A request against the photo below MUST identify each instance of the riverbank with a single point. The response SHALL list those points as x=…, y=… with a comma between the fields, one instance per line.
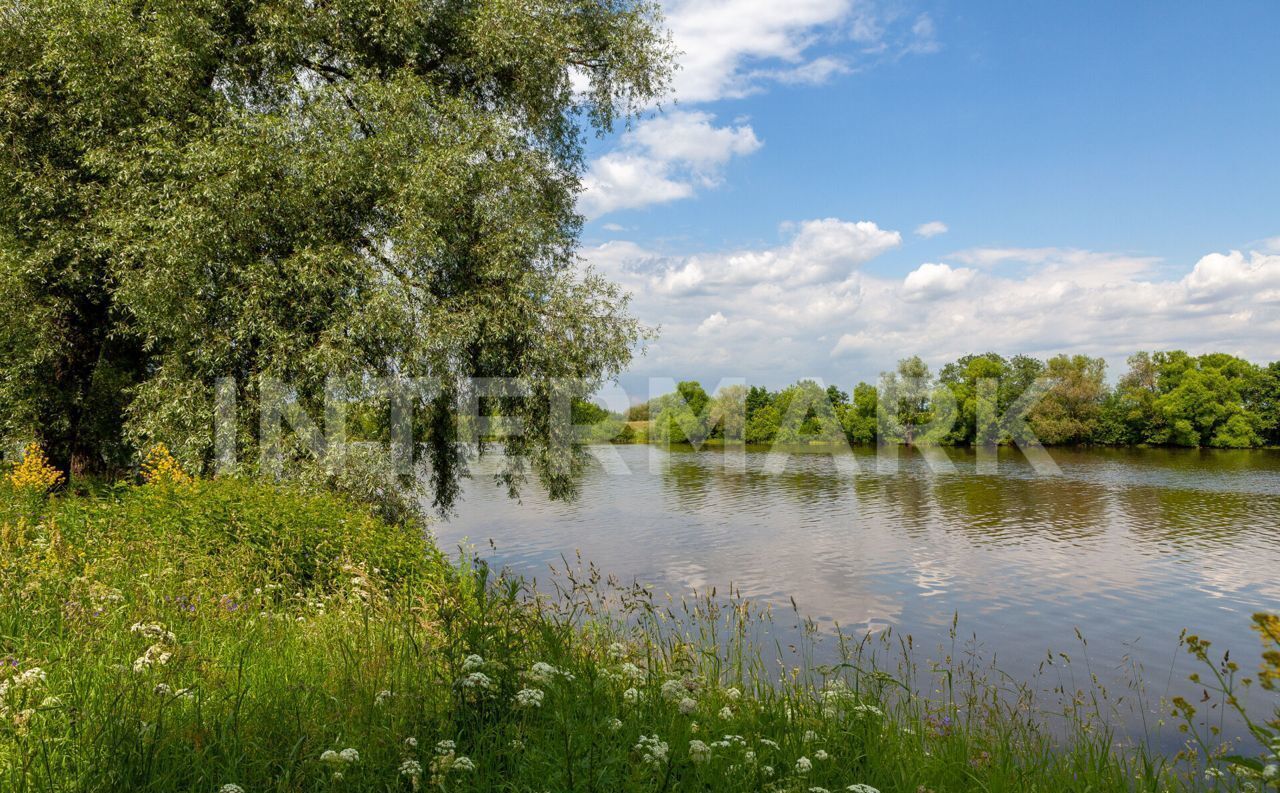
x=225, y=635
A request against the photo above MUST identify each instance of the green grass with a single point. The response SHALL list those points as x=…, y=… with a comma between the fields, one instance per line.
x=195, y=636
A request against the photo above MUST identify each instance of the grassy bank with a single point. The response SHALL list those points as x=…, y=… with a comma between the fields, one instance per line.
x=226, y=636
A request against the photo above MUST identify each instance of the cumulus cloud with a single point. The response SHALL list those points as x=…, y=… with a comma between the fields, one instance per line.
x=930, y=281
x=727, y=45
x=931, y=229
x=664, y=159
x=818, y=251
x=807, y=306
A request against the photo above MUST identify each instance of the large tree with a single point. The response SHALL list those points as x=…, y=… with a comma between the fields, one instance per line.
x=194, y=189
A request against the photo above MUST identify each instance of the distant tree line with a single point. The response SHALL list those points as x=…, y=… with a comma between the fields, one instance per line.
x=1164, y=399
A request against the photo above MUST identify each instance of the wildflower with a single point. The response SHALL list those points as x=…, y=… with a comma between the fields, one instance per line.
x=688, y=706
x=529, y=698
x=631, y=696
x=411, y=742
x=463, y=763
x=153, y=630
x=821, y=754
x=156, y=655
x=345, y=757
x=477, y=681
x=445, y=747
x=1271, y=771
x=160, y=468
x=810, y=735
x=749, y=757
x=34, y=473
x=230, y=788
x=652, y=751
x=699, y=752
x=732, y=694
x=543, y=673
x=766, y=770
x=861, y=788
x=804, y=765
x=818, y=790
x=726, y=713
x=771, y=744
x=631, y=671
x=617, y=650
x=163, y=690
x=411, y=769
x=672, y=690
x=382, y=697
x=615, y=725
x=471, y=663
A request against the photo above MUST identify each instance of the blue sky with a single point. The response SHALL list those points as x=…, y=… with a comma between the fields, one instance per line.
x=1107, y=176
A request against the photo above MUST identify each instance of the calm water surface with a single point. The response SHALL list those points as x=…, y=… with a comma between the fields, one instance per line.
x=1128, y=546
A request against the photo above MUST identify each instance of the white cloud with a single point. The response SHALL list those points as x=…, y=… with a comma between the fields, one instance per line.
x=819, y=251
x=931, y=229
x=930, y=281
x=663, y=159
x=712, y=323
x=1222, y=275
x=807, y=307
x=733, y=48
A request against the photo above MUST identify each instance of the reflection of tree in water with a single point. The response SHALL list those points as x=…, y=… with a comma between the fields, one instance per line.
x=906, y=498
x=687, y=478
x=1004, y=510
x=1186, y=518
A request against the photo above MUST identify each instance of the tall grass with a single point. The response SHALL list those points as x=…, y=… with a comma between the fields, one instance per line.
x=225, y=635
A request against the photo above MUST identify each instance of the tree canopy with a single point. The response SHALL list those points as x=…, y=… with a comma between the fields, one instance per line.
x=1166, y=399
x=298, y=188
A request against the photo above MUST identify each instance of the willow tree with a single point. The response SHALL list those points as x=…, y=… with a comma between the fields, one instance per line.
x=197, y=189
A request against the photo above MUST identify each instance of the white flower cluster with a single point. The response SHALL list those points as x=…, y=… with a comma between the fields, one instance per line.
x=165, y=690
x=16, y=690
x=544, y=674
x=154, y=631
x=699, y=752
x=411, y=769
x=652, y=750
x=448, y=760
x=861, y=788
x=230, y=787
x=161, y=649
x=529, y=698
x=673, y=690
x=345, y=757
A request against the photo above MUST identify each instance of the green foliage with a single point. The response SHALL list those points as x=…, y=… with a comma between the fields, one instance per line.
x=1169, y=398
x=294, y=189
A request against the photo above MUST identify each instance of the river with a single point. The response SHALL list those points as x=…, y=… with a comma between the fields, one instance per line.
x=1128, y=546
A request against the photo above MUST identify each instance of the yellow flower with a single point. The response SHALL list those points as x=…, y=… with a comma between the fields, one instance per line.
x=35, y=473
x=161, y=469
x=1268, y=628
